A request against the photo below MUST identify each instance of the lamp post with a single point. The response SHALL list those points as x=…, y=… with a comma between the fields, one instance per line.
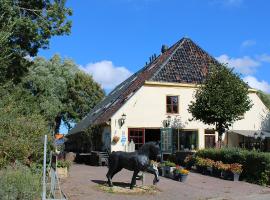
x=122, y=119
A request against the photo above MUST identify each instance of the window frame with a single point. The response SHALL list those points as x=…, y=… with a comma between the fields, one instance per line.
x=142, y=137
x=172, y=105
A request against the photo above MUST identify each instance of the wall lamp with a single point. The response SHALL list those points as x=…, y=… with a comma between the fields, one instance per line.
x=122, y=119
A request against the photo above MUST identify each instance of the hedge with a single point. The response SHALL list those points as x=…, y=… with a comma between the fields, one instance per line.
x=256, y=165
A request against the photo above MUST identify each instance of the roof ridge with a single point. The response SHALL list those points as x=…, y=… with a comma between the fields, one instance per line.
x=168, y=59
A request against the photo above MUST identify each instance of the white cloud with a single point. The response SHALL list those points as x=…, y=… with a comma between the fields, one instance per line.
x=248, y=43
x=105, y=73
x=264, y=58
x=260, y=85
x=244, y=65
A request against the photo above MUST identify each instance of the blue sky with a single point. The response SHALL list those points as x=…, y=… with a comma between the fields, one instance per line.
x=111, y=39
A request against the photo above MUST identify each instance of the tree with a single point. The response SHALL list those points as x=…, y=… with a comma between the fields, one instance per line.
x=265, y=98
x=221, y=100
x=27, y=26
x=63, y=92
x=21, y=127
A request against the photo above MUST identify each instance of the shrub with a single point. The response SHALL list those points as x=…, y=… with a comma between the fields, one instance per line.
x=63, y=163
x=256, y=165
x=169, y=164
x=19, y=183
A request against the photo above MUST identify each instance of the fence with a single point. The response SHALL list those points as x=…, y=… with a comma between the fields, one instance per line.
x=51, y=189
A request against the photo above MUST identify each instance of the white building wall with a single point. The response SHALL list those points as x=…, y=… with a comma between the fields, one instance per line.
x=147, y=109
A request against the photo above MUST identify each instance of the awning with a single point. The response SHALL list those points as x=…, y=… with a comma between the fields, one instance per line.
x=250, y=133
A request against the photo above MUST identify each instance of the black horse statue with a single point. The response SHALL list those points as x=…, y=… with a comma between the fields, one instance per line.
x=134, y=161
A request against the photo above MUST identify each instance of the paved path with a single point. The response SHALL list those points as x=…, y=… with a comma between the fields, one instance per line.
x=83, y=180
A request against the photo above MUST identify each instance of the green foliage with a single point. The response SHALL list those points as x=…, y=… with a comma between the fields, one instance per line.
x=256, y=165
x=62, y=91
x=21, y=128
x=169, y=164
x=27, y=26
x=63, y=163
x=265, y=98
x=222, y=99
x=19, y=183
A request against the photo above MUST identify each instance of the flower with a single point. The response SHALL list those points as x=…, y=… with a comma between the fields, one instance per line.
x=236, y=168
x=218, y=165
x=181, y=170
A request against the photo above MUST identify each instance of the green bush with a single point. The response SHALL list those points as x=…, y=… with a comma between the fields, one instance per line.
x=19, y=184
x=256, y=165
x=63, y=163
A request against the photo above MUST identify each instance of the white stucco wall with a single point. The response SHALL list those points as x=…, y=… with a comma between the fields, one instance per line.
x=147, y=109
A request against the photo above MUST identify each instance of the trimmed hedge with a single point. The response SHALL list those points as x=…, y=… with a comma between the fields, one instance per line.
x=256, y=165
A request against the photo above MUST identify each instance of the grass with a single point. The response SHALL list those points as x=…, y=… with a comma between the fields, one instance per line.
x=124, y=189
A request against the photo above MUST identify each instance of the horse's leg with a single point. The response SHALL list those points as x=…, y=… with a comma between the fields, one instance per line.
x=109, y=177
x=133, y=181
x=116, y=171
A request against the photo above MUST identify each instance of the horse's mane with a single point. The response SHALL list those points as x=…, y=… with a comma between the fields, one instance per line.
x=146, y=147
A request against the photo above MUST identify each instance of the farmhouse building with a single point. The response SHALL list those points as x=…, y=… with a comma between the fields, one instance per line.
x=152, y=105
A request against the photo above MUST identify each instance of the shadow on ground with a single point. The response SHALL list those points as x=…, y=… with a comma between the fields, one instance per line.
x=118, y=184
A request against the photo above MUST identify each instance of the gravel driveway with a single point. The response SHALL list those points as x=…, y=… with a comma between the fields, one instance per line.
x=83, y=181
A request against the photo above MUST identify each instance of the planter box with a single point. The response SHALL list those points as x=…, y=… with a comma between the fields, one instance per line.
x=62, y=172
x=168, y=171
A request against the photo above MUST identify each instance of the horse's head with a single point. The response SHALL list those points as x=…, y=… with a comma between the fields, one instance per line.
x=152, y=149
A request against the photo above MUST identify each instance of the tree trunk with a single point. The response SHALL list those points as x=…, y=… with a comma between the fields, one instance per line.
x=220, y=129
x=57, y=125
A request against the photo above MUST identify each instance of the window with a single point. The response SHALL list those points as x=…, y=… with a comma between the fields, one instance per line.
x=185, y=139
x=209, y=138
x=137, y=135
x=172, y=104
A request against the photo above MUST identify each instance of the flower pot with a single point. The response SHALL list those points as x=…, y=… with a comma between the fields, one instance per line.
x=181, y=177
x=62, y=172
x=209, y=170
x=236, y=177
x=216, y=172
x=168, y=171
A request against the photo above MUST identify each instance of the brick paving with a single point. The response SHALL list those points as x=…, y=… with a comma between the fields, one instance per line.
x=83, y=181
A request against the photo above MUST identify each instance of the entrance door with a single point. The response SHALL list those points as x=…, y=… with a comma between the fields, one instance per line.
x=210, y=141
x=166, y=140
x=137, y=135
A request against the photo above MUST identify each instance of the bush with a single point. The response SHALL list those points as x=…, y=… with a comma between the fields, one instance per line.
x=256, y=165
x=19, y=183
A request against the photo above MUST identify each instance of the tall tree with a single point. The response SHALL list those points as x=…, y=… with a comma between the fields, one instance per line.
x=265, y=98
x=62, y=90
x=221, y=100
x=26, y=26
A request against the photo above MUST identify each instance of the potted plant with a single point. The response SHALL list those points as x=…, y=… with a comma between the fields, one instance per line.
x=217, y=168
x=189, y=161
x=236, y=169
x=225, y=171
x=62, y=168
x=209, y=166
x=168, y=168
x=200, y=164
x=180, y=174
x=115, y=139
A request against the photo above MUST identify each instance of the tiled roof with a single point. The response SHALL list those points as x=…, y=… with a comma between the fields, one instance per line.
x=184, y=62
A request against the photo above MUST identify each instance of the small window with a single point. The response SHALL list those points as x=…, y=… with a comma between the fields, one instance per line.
x=172, y=104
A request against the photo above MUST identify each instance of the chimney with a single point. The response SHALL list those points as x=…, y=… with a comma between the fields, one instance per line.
x=164, y=48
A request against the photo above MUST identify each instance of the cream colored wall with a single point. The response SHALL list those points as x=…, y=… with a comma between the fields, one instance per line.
x=254, y=118
x=147, y=109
